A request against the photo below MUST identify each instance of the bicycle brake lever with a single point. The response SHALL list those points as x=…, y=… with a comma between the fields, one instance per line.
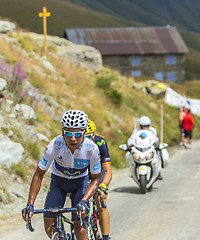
x=29, y=225
x=101, y=202
x=82, y=221
x=84, y=224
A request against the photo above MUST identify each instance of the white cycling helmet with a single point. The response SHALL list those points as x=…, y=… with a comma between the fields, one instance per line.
x=144, y=121
x=74, y=119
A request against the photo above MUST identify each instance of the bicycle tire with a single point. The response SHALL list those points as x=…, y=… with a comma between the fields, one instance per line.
x=73, y=236
x=90, y=233
x=98, y=235
x=55, y=236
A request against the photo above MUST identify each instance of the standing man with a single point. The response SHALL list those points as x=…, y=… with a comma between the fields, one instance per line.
x=106, y=176
x=188, y=126
x=70, y=154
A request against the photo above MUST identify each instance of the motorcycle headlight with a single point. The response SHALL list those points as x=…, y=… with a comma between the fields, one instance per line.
x=136, y=156
x=142, y=159
x=149, y=156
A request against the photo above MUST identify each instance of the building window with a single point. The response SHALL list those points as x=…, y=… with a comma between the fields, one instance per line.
x=171, y=77
x=159, y=76
x=136, y=61
x=136, y=73
x=171, y=60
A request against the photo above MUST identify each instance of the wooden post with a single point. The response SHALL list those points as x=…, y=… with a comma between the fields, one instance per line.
x=161, y=125
x=45, y=14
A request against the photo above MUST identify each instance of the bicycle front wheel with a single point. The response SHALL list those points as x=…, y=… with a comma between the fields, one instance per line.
x=55, y=236
x=90, y=233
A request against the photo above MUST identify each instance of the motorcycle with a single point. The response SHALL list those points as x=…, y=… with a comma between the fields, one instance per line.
x=145, y=159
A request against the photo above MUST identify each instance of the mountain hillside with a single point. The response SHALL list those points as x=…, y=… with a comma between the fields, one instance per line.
x=64, y=14
x=181, y=13
x=36, y=89
x=49, y=84
x=184, y=14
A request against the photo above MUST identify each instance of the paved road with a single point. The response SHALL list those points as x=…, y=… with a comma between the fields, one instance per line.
x=170, y=211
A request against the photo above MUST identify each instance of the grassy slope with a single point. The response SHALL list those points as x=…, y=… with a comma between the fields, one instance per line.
x=95, y=13
x=115, y=122
x=64, y=14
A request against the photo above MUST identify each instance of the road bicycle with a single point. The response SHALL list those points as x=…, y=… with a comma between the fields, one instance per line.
x=94, y=230
x=59, y=228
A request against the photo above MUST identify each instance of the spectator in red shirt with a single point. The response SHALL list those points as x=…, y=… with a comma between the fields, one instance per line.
x=182, y=114
x=188, y=126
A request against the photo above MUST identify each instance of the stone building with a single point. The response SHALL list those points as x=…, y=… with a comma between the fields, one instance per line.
x=156, y=52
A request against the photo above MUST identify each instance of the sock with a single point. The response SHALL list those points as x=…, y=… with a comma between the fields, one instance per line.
x=105, y=237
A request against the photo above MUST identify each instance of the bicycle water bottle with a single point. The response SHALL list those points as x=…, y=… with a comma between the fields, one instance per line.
x=68, y=236
x=93, y=224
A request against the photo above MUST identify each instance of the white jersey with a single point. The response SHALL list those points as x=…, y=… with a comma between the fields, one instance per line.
x=153, y=130
x=68, y=165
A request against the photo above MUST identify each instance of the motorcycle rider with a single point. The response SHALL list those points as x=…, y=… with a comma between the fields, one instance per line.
x=145, y=124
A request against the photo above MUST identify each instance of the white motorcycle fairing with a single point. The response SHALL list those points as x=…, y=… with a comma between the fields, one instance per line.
x=151, y=168
x=142, y=159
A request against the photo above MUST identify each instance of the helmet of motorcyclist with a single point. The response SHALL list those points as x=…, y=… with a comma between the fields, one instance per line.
x=144, y=121
x=74, y=119
x=91, y=127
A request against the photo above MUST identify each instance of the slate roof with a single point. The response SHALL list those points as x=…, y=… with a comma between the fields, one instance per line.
x=130, y=40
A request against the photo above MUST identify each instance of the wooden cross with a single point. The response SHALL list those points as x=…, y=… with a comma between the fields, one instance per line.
x=45, y=14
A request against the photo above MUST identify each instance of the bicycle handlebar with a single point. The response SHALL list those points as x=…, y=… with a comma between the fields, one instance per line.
x=55, y=211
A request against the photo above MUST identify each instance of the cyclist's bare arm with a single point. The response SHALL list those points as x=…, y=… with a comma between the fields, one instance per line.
x=35, y=184
x=92, y=187
x=108, y=174
x=35, y=187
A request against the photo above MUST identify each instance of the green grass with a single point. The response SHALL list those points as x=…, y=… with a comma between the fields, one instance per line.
x=20, y=170
x=64, y=14
x=115, y=122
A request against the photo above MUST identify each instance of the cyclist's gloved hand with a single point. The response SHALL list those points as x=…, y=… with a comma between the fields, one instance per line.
x=27, y=210
x=83, y=206
x=103, y=190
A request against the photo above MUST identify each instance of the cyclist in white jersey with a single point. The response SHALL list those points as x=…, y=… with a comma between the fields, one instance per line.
x=70, y=155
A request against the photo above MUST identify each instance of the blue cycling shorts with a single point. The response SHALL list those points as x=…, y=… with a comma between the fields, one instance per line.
x=59, y=187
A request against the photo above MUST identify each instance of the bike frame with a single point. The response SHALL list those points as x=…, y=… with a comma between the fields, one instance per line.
x=93, y=209
x=60, y=221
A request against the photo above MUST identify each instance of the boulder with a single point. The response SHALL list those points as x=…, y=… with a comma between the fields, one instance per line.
x=86, y=57
x=83, y=56
x=1, y=120
x=3, y=84
x=27, y=111
x=6, y=26
x=138, y=86
x=10, y=152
